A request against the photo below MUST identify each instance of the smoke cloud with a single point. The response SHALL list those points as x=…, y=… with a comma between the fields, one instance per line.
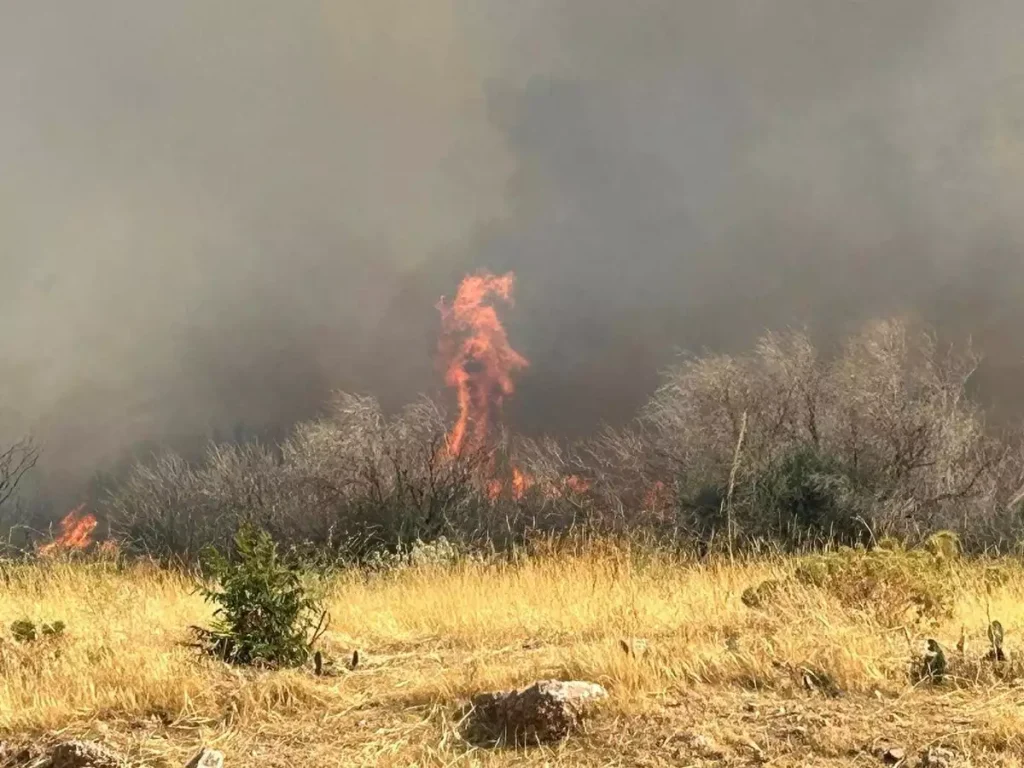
x=212, y=214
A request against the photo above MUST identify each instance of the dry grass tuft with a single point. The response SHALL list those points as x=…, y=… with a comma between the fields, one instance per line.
x=805, y=678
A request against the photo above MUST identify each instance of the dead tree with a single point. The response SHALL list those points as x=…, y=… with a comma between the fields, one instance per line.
x=15, y=462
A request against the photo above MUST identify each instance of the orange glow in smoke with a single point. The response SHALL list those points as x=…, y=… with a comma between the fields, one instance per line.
x=76, y=533
x=479, y=361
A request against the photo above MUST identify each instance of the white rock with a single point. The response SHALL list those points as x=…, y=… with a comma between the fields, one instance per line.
x=207, y=758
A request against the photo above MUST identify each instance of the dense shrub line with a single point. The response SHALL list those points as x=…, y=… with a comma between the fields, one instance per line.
x=881, y=439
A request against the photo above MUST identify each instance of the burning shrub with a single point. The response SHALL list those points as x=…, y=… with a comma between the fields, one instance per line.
x=264, y=613
x=382, y=480
x=346, y=484
x=76, y=529
x=880, y=440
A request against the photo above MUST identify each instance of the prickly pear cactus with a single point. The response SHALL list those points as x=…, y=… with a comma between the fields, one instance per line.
x=934, y=665
x=995, y=637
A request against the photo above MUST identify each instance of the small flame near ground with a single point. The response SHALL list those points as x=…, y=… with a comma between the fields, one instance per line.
x=76, y=533
x=520, y=484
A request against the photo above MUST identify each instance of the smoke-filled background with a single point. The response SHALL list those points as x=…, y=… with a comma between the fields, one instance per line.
x=214, y=213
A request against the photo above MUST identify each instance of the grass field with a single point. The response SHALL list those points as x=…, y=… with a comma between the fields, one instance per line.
x=722, y=683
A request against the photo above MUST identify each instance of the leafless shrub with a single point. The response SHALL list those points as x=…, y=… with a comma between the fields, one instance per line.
x=343, y=483
x=560, y=491
x=885, y=432
x=15, y=462
x=159, y=507
x=365, y=472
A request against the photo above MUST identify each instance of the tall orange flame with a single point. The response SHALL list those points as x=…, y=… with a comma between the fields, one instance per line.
x=479, y=364
x=76, y=532
x=478, y=357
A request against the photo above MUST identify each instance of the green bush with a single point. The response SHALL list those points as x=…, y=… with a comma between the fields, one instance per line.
x=264, y=613
x=704, y=511
x=892, y=583
x=806, y=492
x=933, y=665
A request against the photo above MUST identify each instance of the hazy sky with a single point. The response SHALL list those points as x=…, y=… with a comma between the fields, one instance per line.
x=216, y=211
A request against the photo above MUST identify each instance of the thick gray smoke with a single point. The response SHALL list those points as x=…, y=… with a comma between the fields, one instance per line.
x=212, y=214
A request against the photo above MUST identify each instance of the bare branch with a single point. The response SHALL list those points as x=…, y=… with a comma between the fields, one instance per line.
x=15, y=462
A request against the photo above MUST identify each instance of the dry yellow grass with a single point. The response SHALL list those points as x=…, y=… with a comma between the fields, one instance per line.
x=721, y=684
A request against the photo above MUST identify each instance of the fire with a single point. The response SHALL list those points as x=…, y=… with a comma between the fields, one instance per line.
x=577, y=484
x=571, y=485
x=76, y=532
x=494, y=489
x=655, y=495
x=479, y=360
x=521, y=483
x=479, y=364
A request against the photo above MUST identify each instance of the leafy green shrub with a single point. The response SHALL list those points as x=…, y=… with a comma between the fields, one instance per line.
x=704, y=510
x=890, y=583
x=806, y=492
x=265, y=614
